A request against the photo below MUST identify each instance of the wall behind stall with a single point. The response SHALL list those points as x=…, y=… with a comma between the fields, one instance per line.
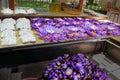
x=113, y=16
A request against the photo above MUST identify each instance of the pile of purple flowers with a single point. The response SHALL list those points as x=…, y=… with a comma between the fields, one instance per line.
x=57, y=29
x=75, y=67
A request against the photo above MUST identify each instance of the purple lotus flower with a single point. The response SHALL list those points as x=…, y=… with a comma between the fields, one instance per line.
x=95, y=22
x=64, y=65
x=58, y=20
x=78, y=19
x=65, y=23
x=76, y=67
x=103, y=26
x=72, y=32
x=69, y=71
x=88, y=26
x=73, y=28
x=59, y=58
x=34, y=19
x=82, y=30
x=114, y=32
x=76, y=78
x=117, y=32
x=93, y=27
x=46, y=32
x=74, y=36
x=48, y=20
x=77, y=23
x=69, y=19
x=36, y=25
x=50, y=33
x=57, y=25
x=79, y=65
x=50, y=29
x=84, y=35
x=50, y=23
x=111, y=28
x=93, y=34
x=81, y=56
x=102, y=33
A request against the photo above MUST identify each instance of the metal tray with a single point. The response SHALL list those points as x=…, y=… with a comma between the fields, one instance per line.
x=40, y=43
x=32, y=63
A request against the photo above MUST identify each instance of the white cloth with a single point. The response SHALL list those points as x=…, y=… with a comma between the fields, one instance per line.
x=27, y=35
x=8, y=37
x=7, y=11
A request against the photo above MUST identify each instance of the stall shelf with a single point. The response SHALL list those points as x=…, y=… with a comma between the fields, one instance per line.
x=27, y=67
x=39, y=42
x=17, y=56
